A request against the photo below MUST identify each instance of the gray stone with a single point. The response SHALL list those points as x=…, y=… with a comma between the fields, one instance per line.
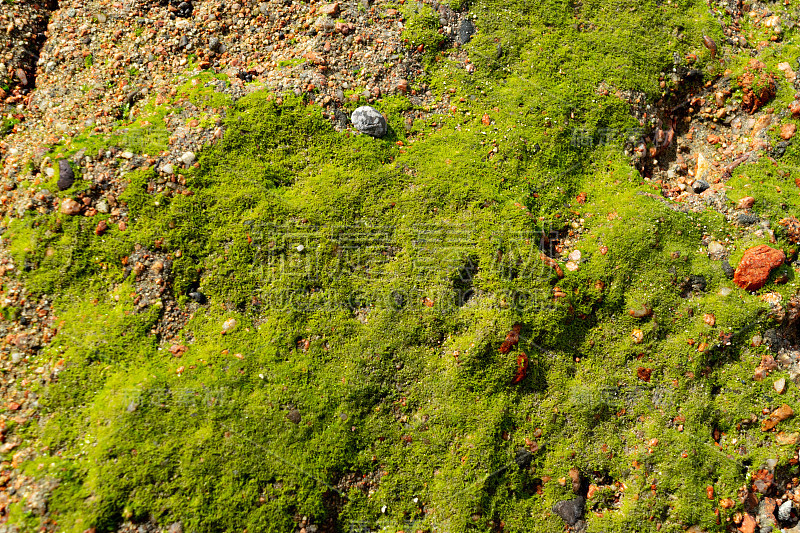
x=746, y=219
x=66, y=176
x=785, y=511
x=465, y=31
x=728, y=269
x=570, y=511
x=368, y=120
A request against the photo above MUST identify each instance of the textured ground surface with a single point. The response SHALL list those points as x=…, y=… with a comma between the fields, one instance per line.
x=536, y=303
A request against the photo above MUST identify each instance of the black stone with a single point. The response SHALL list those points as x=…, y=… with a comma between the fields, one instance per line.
x=700, y=185
x=523, y=458
x=198, y=297
x=698, y=283
x=728, y=269
x=772, y=339
x=570, y=511
x=780, y=149
x=66, y=176
x=185, y=9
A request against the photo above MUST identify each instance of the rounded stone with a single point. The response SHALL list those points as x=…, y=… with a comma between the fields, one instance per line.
x=369, y=120
x=66, y=176
x=188, y=158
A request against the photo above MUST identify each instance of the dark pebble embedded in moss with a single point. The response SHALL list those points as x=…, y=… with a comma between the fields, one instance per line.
x=746, y=219
x=728, y=269
x=523, y=457
x=700, y=185
x=198, y=297
x=465, y=31
x=570, y=511
x=294, y=416
x=66, y=176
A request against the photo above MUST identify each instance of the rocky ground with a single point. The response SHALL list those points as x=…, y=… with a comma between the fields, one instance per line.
x=77, y=67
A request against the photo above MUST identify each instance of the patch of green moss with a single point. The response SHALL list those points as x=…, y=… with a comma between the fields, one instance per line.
x=422, y=28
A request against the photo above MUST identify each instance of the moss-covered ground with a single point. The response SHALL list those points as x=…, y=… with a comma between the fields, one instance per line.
x=373, y=282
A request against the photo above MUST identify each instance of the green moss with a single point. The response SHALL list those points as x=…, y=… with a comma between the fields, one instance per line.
x=373, y=282
x=422, y=28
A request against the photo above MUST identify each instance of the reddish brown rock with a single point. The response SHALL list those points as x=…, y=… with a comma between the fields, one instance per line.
x=748, y=524
x=794, y=108
x=746, y=202
x=644, y=373
x=788, y=131
x=70, y=207
x=758, y=86
x=101, y=228
x=402, y=86
x=754, y=268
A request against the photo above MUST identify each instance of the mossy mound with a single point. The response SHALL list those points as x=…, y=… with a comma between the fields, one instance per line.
x=373, y=282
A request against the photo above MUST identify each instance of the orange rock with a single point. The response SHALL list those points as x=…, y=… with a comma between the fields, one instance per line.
x=575, y=477
x=726, y=503
x=794, y=108
x=748, y=524
x=553, y=264
x=778, y=415
x=644, y=373
x=754, y=268
x=70, y=207
x=746, y=202
x=788, y=131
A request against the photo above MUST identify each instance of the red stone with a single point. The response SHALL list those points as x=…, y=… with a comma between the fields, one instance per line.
x=101, y=228
x=754, y=268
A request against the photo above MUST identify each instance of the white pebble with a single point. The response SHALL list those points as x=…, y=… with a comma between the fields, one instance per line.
x=188, y=158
